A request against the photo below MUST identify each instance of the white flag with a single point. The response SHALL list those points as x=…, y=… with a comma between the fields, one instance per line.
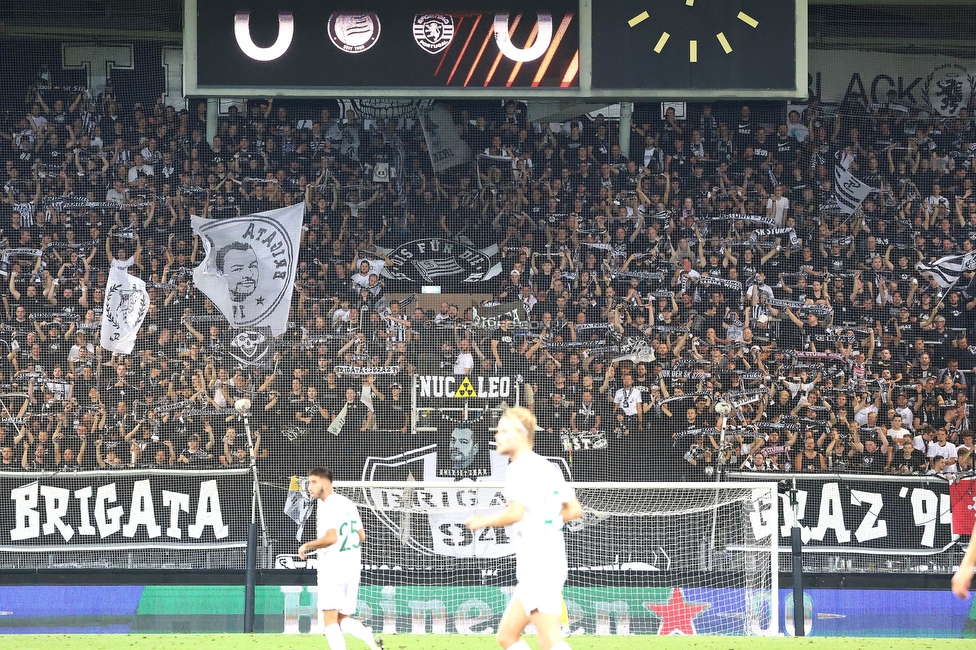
x=339, y=420
x=249, y=266
x=125, y=306
x=849, y=191
x=444, y=143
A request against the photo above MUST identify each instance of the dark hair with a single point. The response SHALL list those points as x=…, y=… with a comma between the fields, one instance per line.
x=321, y=472
x=222, y=253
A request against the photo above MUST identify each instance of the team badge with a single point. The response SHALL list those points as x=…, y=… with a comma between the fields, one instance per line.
x=433, y=32
x=948, y=89
x=354, y=32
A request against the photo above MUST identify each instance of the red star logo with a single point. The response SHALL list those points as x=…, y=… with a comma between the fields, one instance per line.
x=677, y=615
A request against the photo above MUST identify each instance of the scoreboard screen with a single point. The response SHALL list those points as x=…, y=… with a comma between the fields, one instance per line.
x=618, y=49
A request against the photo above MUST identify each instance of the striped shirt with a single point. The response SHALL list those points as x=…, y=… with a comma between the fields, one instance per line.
x=27, y=212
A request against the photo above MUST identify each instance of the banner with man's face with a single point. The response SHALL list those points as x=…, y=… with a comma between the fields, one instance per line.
x=467, y=453
x=249, y=266
x=461, y=454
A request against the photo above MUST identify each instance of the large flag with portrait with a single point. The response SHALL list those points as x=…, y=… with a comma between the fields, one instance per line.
x=124, y=309
x=249, y=266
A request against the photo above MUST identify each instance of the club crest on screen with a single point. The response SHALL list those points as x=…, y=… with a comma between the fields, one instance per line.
x=433, y=32
x=354, y=32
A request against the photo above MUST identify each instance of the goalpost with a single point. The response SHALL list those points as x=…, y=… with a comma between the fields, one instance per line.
x=654, y=558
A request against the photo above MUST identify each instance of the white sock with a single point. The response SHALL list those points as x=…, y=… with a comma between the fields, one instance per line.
x=561, y=646
x=519, y=645
x=333, y=635
x=358, y=630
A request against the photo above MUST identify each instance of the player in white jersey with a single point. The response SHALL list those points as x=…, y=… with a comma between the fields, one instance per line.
x=339, y=544
x=539, y=502
x=964, y=574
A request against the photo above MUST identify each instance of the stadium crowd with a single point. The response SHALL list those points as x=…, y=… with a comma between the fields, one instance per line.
x=713, y=261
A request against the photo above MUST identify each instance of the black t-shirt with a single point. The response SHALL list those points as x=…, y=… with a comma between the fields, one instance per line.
x=507, y=345
x=198, y=457
x=555, y=418
x=957, y=317
x=392, y=414
x=869, y=462
x=914, y=463
x=808, y=464
x=310, y=410
x=355, y=417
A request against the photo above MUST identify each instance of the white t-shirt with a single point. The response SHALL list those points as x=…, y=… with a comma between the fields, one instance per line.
x=123, y=265
x=628, y=399
x=540, y=550
x=75, y=353
x=778, y=208
x=134, y=172
x=341, y=562
x=463, y=364
x=375, y=266
x=898, y=434
x=948, y=451
x=908, y=418
x=219, y=399
x=38, y=123
x=921, y=444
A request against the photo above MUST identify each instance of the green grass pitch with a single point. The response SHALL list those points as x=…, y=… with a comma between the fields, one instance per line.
x=451, y=642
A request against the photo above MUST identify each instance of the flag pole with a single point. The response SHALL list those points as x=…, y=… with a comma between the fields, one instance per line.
x=243, y=407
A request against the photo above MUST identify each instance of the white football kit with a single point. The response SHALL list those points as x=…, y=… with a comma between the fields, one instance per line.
x=540, y=550
x=339, y=565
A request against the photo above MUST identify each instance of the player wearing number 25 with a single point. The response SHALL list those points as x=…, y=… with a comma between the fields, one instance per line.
x=339, y=541
x=539, y=502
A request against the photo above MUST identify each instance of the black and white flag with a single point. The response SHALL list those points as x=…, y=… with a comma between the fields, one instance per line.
x=947, y=270
x=490, y=316
x=125, y=307
x=366, y=370
x=249, y=266
x=849, y=191
x=444, y=143
x=432, y=260
x=298, y=503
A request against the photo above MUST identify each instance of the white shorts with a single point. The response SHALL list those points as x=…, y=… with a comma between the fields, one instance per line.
x=545, y=596
x=341, y=597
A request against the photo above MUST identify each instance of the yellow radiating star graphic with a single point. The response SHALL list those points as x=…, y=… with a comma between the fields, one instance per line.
x=661, y=42
x=638, y=19
x=724, y=42
x=693, y=44
x=747, y=19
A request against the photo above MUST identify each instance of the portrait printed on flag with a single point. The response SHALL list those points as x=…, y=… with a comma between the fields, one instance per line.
x=249, y=267
x=463, y=451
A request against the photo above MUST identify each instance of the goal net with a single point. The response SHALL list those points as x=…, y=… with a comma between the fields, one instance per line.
x=644, y=558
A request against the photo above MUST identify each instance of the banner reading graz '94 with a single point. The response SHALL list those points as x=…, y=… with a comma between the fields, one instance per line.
x=908, y=515
x=123, y=509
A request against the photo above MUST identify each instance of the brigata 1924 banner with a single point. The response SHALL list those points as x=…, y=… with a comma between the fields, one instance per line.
x=123, y=509
x=844, y=513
